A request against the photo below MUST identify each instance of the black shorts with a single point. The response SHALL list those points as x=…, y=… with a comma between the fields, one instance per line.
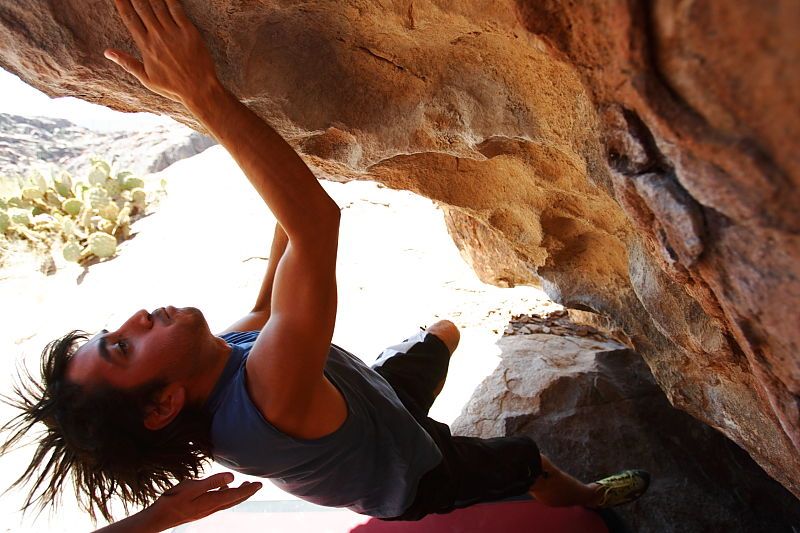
x=472, y=470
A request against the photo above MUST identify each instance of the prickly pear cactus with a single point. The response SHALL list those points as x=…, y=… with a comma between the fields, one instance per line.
x=72, y=252
x=20, y=216
x=110, y=211
x=68, y=226
x=102, y=244
x=32, y=193
x=72, y=206
x=113, y=187
x=133, y=183
x=106, y=226
x=63, y=185
x=79, y=189
x=99, y=173
x=39, y=182
x=16, y=201
x=85, y=217
x=100, y=162
x=124, y=216
x=89, y=218
x=52, y=201
x=98, y=197
x=62, y=190
x=139, y=197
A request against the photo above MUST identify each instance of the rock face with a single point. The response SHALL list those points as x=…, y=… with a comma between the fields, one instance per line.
x=489, y=254
x=640, y=157
x=594, y=408
x=27, y=142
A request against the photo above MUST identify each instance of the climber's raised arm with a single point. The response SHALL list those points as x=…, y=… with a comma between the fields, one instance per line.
x=285, y=367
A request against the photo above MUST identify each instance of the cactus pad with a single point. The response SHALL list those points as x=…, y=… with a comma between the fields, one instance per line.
x=85, y=218
x=16, y=201
x=139, y=197
x=39, y=182
x=68, y=226
x=106, y=226
x=110, y=211
x=32, y=193
x=102, y=244
x=124, y=216
x=72, y=206
x=63, y=185
x=52, y=199
x=113, y=187
x=20, y=216
x=133, y=183
x=72, y=251
x=99, y=173
x=98, y=197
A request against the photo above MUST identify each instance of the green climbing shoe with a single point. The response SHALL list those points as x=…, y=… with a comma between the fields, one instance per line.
x=622, y=488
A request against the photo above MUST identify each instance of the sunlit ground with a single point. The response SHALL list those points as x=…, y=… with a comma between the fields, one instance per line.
x=205, y=246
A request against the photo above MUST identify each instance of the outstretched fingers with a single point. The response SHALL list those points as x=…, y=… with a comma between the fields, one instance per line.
x=228, y=497
x=162, y=13
x=192, y=499
x=217, y=481
x=175, y=62
x=128, y=63
x=178, y=14
x=206, y=496
x=131, y=20
x=145, y=11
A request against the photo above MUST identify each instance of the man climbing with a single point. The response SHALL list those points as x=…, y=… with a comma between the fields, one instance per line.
x=132, y=409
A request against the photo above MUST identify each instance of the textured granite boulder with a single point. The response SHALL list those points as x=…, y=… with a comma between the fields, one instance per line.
x=640, y=157
x=594, y=408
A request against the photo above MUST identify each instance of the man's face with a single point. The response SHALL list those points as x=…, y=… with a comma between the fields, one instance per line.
x=161, y=344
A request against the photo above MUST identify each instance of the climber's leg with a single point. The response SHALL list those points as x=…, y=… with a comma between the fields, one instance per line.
x=557, y=488
x=418, y=366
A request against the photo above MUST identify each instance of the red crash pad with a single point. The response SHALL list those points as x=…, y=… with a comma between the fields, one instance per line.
x=299, y=517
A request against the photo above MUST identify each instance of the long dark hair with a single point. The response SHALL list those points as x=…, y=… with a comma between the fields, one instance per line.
x=95, y=437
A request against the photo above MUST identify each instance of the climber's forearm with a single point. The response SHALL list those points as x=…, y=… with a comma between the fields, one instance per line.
x=298, y=201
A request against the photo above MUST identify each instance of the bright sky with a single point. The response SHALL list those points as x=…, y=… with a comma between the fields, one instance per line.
x=19, y=98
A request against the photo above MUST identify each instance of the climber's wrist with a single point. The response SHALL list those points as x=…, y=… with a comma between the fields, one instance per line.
x=205, y=98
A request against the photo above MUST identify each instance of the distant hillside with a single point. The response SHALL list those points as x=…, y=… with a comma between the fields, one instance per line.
x=27, y=142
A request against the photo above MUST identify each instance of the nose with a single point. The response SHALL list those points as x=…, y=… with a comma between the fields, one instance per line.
x=139, y=320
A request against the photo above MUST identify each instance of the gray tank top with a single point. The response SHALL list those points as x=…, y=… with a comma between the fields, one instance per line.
x=371, y=464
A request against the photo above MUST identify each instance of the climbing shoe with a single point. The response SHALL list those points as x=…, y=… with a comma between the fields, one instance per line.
x=622, y=488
